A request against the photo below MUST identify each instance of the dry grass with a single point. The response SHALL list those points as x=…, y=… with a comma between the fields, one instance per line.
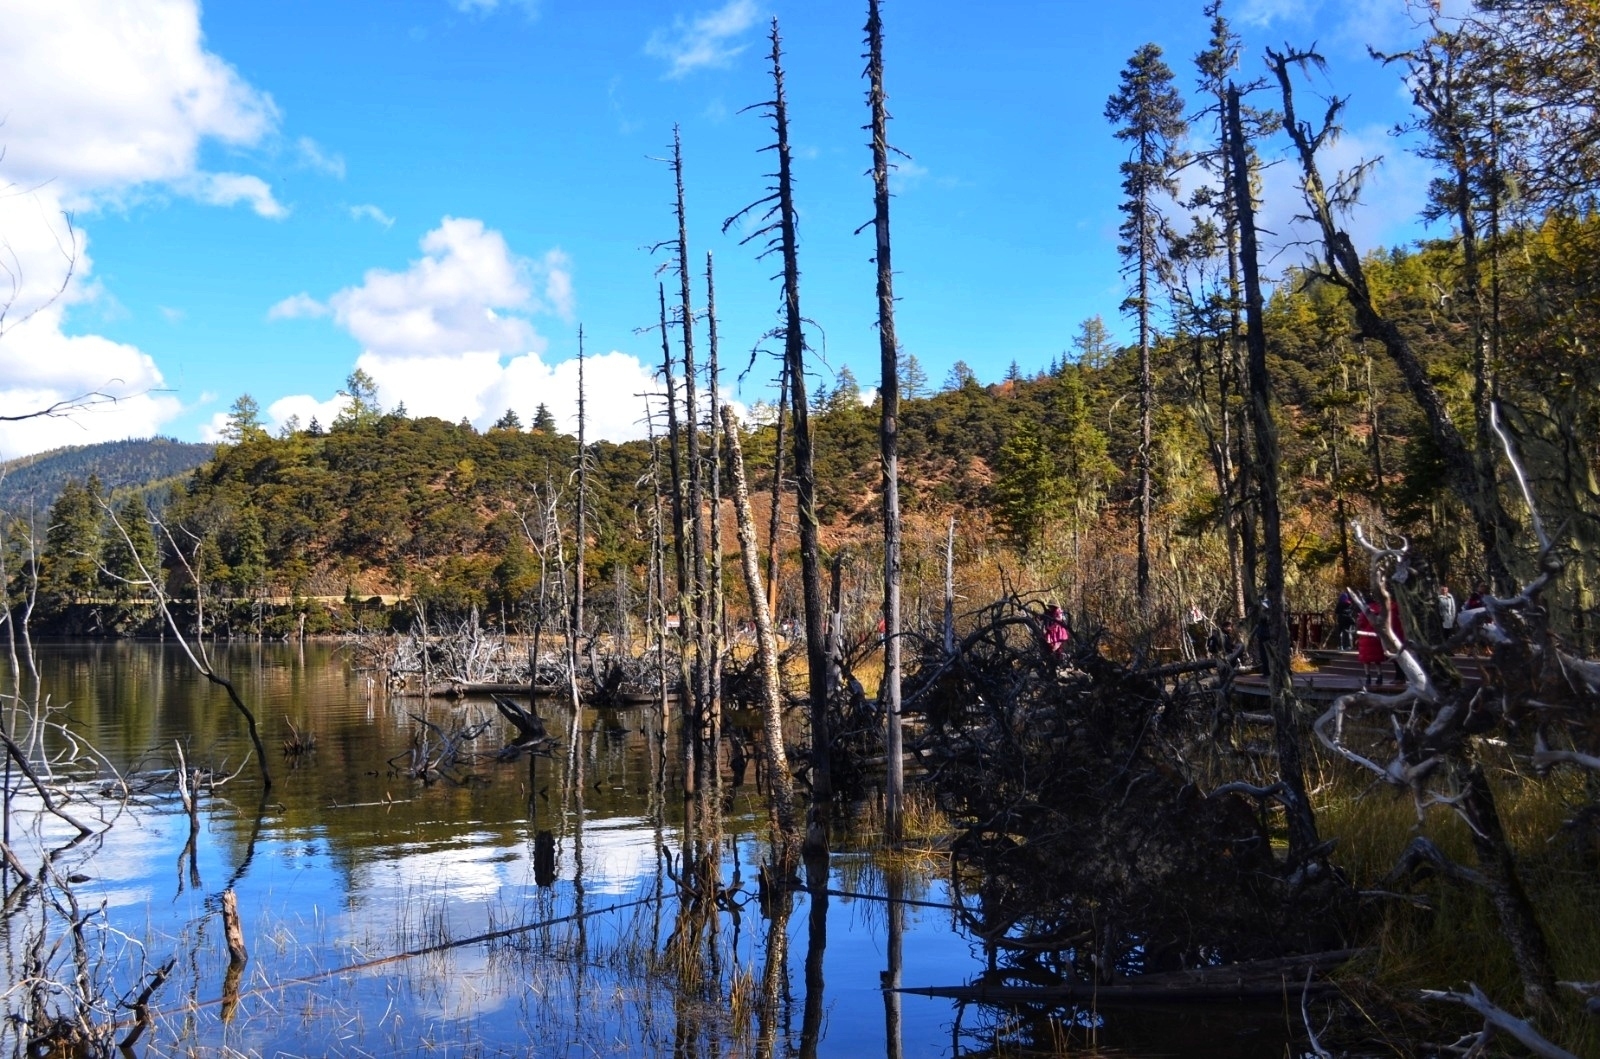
x=1454, y=937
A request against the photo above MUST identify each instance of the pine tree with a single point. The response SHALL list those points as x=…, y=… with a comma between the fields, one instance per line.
x=1027, y=488
x=361, y=407
x=244, y=421
x=1093, y=343
x=69, y=569
x=913, y=379
x=1150, y=113
x=132, y=552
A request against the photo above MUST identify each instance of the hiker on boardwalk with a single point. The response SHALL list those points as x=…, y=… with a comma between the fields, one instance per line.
x=1344, y=618
x=1369, y=645
x=1447, y=610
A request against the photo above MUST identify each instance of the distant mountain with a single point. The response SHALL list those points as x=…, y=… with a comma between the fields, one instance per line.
x=36, y=480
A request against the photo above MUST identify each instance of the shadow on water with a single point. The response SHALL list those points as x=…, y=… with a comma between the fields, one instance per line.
x=571, y=901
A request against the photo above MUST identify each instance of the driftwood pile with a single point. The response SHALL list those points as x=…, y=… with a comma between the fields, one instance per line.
x=1088, y=844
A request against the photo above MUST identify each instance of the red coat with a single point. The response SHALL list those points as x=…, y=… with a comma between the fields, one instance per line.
x=1369, y=647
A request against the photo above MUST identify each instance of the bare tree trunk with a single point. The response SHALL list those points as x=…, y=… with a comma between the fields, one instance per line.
x=888, y=427
x=715, y=606
x=1529, y=950
x=780, y=787
x=698, y=631
x=950, y=589
x=579, y=530
x=1301, y=820
x=794, y=344
x=1146, y=395
x=679, y=545
x=774, y=521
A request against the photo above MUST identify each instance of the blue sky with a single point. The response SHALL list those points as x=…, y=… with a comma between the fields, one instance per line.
x=264, y=196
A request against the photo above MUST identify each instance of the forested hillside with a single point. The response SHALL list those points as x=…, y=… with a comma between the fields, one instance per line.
x=35, y=481
x=1036, y=469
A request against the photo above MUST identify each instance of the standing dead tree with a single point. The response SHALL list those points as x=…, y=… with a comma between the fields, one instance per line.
x=1341, y=266
x=779, y=228
x=1274, y=618
x=889, y=419
x=780, y=786
x=196, y=654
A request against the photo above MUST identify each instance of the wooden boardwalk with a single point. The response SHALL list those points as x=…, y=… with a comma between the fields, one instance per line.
x=1338, y=673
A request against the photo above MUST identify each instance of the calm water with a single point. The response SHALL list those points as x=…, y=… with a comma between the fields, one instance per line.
x=366, y=895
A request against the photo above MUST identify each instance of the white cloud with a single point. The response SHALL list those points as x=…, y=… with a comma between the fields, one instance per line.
x=171, y=315
x=106, y=101
x=461, y=296
x=229, y=189
x=450, y=336
x=704, y=40
x=480, y=386
x=297, y=307
x=305, y=407
x=368, y=212
x=312, y=156
x=486, y=7
x=558, y=284
x=104, y=95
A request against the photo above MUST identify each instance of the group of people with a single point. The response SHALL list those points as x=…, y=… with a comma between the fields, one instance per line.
x=1359, y=626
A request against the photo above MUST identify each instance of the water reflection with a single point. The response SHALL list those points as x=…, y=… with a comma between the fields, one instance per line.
x=569, y=902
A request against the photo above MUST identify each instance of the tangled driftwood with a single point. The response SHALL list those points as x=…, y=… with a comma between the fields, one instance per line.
x=1088, y=840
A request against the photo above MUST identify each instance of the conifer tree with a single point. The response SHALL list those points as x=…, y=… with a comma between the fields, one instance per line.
x=70, y=566
x=1149, y=114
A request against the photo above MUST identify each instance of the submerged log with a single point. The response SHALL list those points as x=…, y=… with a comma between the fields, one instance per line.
x=529, y=725
x=1252, y=980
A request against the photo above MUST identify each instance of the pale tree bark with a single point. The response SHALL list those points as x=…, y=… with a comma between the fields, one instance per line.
x=579, y=530
x=780, y=786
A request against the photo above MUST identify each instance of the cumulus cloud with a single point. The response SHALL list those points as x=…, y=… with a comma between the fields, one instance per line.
x=104, y=95
x=463, y=295
x=709, y=39
x=105, y=101
x=451, y=336
x=368, y=212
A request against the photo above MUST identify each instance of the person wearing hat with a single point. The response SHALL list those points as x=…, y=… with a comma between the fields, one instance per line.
x=1057, y=633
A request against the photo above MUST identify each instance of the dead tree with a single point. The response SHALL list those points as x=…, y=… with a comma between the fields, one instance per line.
x=1274, y=616
x=699, y=631
x=581, y=525
x=779, y=229
x=715, y=606
x=1341, y=266
x=786, y=826
x=1534, y=690
x=889, y=420
x=198, y=658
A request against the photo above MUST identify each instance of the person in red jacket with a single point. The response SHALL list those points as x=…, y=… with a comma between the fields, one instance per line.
x=1369, y=645
x=1057, y=633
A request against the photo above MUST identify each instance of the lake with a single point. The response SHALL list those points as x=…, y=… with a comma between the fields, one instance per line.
x=388, y=916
